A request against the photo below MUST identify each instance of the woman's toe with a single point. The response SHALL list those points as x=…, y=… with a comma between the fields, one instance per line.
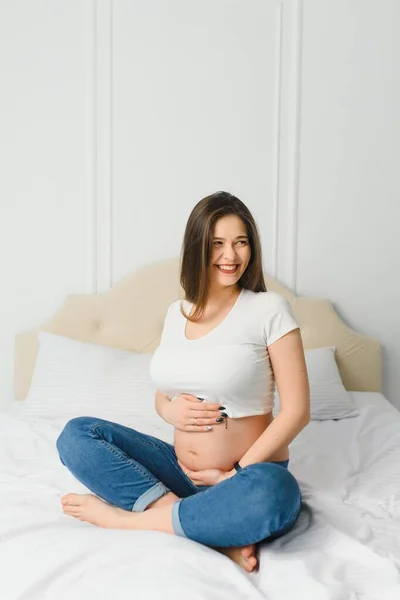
x=249, y=557
x=73, y=500
x=252, y=561
x=66, y=499
x=247, y=552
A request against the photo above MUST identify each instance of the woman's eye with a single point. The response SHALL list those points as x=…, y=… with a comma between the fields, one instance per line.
x=217, y=242
x=244, y=242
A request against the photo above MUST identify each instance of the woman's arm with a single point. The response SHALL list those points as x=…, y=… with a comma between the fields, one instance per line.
x=162, y=403
x=290, y=371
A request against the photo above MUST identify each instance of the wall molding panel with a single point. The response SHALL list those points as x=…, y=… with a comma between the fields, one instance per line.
x=284, y=202
x=289, y=162
x=103, y=145
x=119, y=113
x=277, y=143
x=90, y=150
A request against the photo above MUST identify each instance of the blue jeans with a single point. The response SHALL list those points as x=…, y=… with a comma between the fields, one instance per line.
x=130, y=469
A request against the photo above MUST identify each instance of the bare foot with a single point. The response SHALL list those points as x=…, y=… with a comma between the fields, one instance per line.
x=244, y=556
x=87, y=507
x=90, y=508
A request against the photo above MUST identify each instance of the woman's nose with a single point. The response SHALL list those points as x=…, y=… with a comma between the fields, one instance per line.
x=229, y=256
x=229, y=253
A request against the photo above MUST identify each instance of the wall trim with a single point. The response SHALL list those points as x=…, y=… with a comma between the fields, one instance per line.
x=104, y=143
x=289, y=149
x=285, y=191
x=277, y=145
x=295, y=170
x=90, y=216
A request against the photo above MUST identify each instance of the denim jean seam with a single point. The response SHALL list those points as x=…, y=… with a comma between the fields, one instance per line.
x=121, y=430
x=131, y=462
x=145, y=441
x=167, y=455
x=181, y=473
x=184, y=476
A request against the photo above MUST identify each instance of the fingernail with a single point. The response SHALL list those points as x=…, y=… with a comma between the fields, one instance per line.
x=208, y=427
x=219, y=420
x=221, y=408
x=224, y=415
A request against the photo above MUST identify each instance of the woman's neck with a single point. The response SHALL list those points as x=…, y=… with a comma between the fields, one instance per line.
x=219, y=296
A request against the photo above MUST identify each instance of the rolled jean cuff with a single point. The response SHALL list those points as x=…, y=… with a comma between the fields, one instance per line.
x=154, y=493
x=176, y=523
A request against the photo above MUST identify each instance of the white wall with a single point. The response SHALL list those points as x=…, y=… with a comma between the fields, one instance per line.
x=349, y=186
x=46, y=161
x=117, y=117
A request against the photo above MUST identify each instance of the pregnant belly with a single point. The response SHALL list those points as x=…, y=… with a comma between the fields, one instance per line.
x=221, y=447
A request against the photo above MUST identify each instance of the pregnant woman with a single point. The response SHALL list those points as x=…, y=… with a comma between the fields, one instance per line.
x=225, y=482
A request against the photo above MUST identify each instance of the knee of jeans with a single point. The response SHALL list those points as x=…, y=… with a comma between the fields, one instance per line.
x=74, y=430
x=274, y=490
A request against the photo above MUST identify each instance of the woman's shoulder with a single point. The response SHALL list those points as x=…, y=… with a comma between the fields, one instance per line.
x=174, y=308
x=266, y=301
x=274, y=312
x=174, y=311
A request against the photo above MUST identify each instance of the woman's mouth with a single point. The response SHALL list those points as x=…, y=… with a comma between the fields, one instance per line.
x=227, y=269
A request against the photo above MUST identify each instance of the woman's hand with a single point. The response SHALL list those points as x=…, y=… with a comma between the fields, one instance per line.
x=210, y=476
x=189, y=413
x=207, y=476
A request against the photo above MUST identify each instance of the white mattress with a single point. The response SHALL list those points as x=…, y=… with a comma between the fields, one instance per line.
x=345, y=546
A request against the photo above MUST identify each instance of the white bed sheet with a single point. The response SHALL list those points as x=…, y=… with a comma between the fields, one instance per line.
x=345, y=545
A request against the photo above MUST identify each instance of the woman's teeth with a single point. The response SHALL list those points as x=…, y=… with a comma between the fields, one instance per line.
x=226, y=269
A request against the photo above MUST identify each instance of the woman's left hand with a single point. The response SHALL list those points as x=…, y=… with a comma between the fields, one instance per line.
x=207, y=476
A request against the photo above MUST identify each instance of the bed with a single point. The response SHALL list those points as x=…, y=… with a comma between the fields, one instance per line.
x=345, y=545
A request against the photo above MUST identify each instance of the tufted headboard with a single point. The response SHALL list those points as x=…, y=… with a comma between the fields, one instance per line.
x=130, y=316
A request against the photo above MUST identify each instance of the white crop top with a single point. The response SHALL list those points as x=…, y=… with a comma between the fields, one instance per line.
x=229, y=365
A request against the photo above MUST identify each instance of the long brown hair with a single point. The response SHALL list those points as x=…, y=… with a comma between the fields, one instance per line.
x=197, y=248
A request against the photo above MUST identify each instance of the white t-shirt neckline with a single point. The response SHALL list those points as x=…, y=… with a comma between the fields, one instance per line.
x=217, y=328
x=230, y=365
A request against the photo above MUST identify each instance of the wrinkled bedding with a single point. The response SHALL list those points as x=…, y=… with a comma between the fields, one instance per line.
x=345, y=545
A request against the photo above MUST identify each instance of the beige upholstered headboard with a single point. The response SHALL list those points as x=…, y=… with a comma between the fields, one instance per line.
x=130, y=316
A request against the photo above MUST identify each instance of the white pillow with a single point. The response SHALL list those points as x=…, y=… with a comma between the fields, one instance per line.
x=329, y=398
x=73, y=378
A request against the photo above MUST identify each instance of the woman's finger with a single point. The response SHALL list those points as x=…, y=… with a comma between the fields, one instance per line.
x=200, y=421
x=195, y=479
x=198, y=428
x=201, y=411
x=206, y=406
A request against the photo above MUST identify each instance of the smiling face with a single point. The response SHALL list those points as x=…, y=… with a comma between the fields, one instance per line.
x=221, y=251
x=230, y=251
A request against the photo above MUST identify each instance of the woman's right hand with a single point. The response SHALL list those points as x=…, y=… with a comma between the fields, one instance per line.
x=189, y=413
